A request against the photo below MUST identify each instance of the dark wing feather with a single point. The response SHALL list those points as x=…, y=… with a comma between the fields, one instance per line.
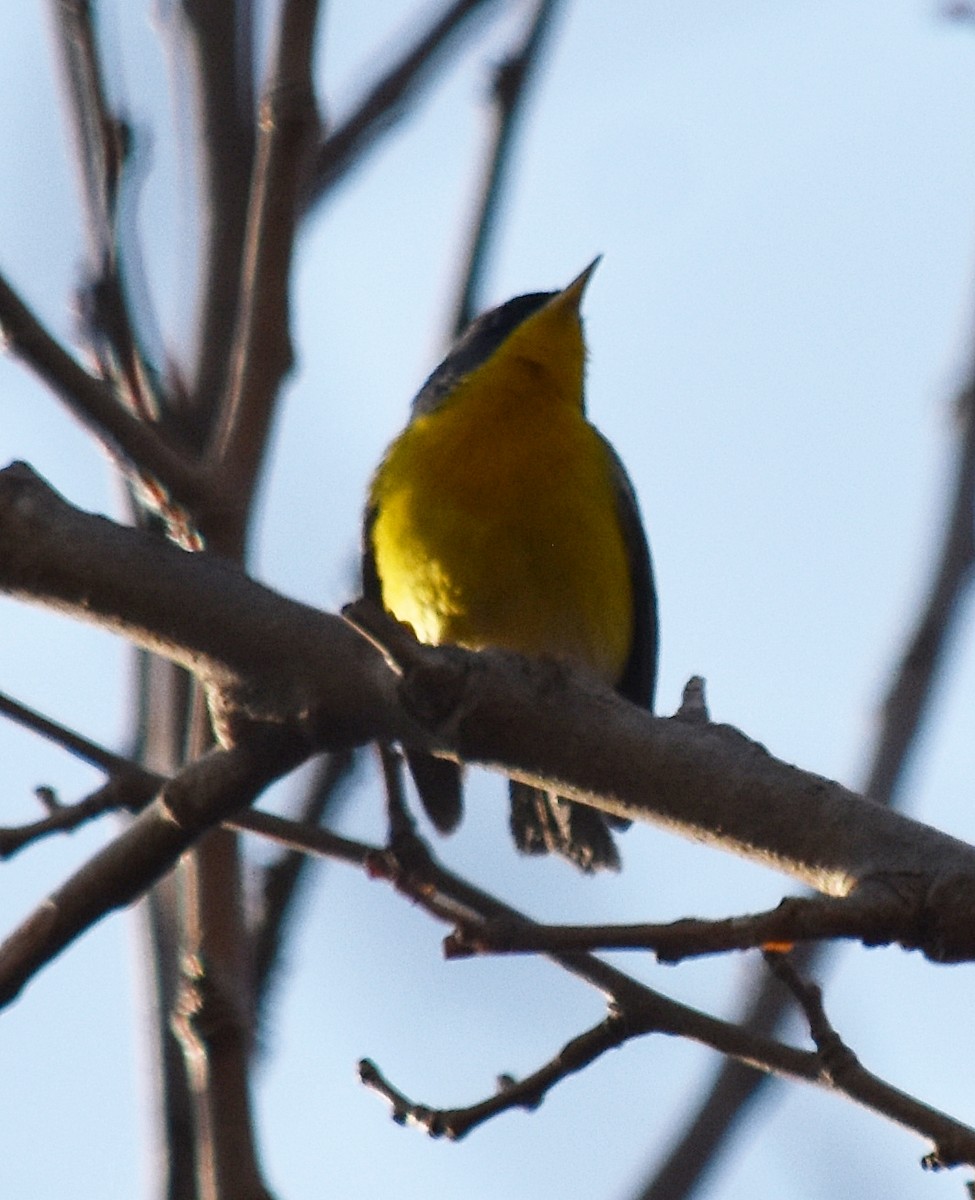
x=639, y=679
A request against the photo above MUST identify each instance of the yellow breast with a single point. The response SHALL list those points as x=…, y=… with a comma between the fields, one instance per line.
x=496, y=524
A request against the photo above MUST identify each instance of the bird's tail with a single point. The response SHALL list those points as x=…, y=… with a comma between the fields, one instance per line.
x=543, y=822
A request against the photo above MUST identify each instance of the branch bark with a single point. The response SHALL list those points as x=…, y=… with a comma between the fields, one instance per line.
x=262, y=353
x=389, y=98
x=204, y=794
x=270, y=660
x=215, y=42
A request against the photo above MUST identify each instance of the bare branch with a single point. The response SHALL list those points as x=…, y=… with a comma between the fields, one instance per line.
x=281, y=881
x=180, y=605
x=63, y=819
x=527, y=1093
x=215, y=41
x=411, y=868
x=100, y=137
x=390, y=98
x=843, y=1071
x=267, y=658
x=874, y=916
x=134, y=444
x=102, y=141
x=75, y=743
x=131, y=786
x=262, y=351
x=912, y=689
x=635, y=1010
x=205, y=793
x=415, y=872
x=607, y=752
x=512, y=81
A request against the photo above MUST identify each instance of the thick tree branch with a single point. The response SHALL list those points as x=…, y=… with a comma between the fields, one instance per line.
x=635, y=1010
x=179, y=604
x=270, y=659
x=410, y=867
x=539, y=721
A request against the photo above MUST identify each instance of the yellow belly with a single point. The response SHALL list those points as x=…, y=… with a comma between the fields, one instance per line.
x=504, y=532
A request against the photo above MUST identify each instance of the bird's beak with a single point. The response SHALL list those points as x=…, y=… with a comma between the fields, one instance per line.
x=571, y=296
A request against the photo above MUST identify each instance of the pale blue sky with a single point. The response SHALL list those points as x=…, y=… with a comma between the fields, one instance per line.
x=784, y=194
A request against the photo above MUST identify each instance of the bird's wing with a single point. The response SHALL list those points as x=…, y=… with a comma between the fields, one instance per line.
x=639, y=678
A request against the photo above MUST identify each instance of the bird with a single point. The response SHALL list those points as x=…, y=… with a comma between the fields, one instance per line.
x=501, y=517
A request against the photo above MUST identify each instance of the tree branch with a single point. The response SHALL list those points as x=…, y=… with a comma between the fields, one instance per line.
x=389, y=99
x=635, y=1010
x=874, y=916
x=842, y=1070
x=269, y=659
x=216, y=43
x=102, y=142
x=179, y=605
x=262, y=353
x=205, y=793
x=132, y=443
x=281, y=881
x=512, y=80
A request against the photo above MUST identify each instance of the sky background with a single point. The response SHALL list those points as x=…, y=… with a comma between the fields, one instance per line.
x=784, y=195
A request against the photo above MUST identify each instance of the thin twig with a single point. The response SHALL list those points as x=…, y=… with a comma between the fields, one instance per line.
x=875, y=919
x=63, y=819
x=844, y=1072
x=635, y=1010
x=74, y=743
x=134, y=444
x=410, y=867
x=206, y=792
x=281, y=881
x=390, y=98
x=512, y=81
x=103, y=152
x=527, y=1093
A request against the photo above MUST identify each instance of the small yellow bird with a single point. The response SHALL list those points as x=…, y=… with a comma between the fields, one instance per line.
x=501, y=517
